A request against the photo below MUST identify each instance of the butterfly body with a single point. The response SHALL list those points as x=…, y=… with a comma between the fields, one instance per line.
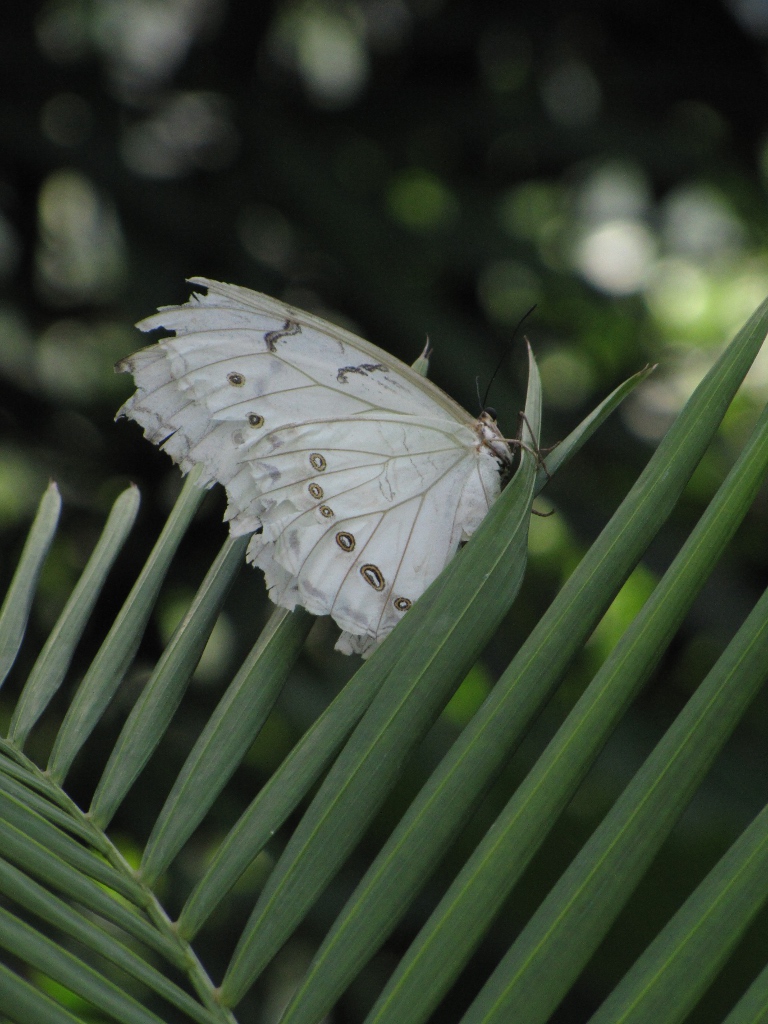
x=357, y=477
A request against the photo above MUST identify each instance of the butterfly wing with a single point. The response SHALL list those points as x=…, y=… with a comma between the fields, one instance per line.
x=358, y=478
x=360, y=515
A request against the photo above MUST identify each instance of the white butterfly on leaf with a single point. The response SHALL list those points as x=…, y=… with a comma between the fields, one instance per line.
x=357, y=476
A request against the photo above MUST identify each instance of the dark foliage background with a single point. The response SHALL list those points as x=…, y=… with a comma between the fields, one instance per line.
x=411, y=168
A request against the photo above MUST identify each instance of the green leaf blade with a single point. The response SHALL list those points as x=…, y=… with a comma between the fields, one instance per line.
x=752, y=1008
x=117, y=652
x=23, y=1003
x=564, y=451
x=160, y=698
x=46, y=956
x=15, y=610
x=56, y=913
x=457, y=924
x=674, y=972
x=54, y=660
x=119, y=648
x=229, y=733
x=577, y=913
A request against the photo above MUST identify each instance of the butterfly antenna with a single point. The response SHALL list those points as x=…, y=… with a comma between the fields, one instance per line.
x=520, y=323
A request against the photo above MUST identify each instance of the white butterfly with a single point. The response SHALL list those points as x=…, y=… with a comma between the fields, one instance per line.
x=357, y=477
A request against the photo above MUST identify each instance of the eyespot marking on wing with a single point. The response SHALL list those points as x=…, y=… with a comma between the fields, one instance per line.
x=255, y=420
x=402, y=603
x=372, y=575
x=326, y=512
x=345, y=541
x=317, y=461
x=236, y=379
x=316, y=490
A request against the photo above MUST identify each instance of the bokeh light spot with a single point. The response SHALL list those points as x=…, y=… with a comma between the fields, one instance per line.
x=324, y=43
x=677, y=294
x=616, y=190
x=571, y=93
x=547, y=535
x=625, y=606
x=81, y=253
x=566, y=376
x=190, y=131
x=650, y=409
x=420, y=201
x=507, y=289
x=144, y=41
x=473, y=690
x=699, y=224
x=617, y=257
x=62, y=30
x=532, y=211
x=74, y=360
x=266, y=235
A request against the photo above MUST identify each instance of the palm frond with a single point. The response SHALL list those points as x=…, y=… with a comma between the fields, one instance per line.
x=78, y=917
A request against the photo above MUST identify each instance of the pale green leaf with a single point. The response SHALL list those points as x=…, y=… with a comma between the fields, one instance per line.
x=15, y=610
x=162, y=695
x=51, y=666
x=119, y=648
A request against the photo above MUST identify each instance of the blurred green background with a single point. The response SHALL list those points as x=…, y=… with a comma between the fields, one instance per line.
x=409, y=168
